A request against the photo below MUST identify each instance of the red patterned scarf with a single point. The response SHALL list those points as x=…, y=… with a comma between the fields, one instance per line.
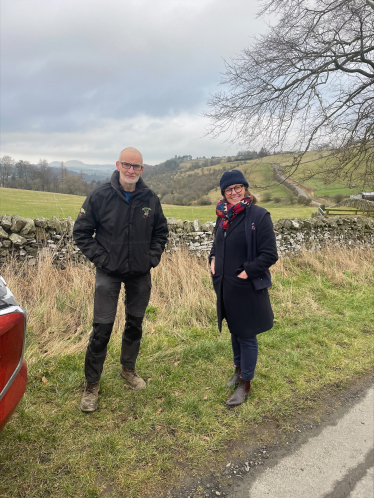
x=229, y=211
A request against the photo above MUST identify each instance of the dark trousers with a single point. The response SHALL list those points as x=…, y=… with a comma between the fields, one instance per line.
x=245, y=355
x=107, y=289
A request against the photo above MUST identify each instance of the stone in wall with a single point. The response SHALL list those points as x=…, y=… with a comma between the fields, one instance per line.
x=41, y=222
x=17, y=223
x=3, y=234
x=29, y=228
x=17, y=240
x=6, y=221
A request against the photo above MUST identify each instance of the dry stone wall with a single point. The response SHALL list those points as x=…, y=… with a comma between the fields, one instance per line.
x=29, y=239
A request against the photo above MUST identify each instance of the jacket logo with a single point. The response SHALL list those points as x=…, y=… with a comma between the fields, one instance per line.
x=146, y=212
x=82, y=212
x=253, y=226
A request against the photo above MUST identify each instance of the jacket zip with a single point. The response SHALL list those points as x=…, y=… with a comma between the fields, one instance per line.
x=130, y=236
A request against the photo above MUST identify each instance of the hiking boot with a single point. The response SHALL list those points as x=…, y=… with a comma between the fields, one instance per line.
x=235, y=378
x=241, y=394
x=90, y=397
x=133, y=380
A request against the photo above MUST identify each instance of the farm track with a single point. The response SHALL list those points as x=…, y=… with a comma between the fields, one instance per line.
x=286, y=181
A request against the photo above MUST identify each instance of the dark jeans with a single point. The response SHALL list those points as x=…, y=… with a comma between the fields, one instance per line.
x=107, y=289
x=245, y=355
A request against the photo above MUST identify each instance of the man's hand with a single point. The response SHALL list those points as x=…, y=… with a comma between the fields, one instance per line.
x=243, y=275
x=213, y=265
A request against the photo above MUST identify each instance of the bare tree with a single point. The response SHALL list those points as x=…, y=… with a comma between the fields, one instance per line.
x=24, y=172
x=6, y=169
x=62, y=171
x=45, y=175
x=308, y=83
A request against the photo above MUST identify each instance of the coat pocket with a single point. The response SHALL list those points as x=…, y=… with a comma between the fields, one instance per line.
x=263, y=281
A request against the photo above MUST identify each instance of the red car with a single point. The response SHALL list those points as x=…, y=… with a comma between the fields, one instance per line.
x=13, y=368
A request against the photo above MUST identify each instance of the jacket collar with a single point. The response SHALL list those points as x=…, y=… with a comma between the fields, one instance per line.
x=140, y=188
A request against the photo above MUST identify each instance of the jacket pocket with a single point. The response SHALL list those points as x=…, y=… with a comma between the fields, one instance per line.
x=154, y=261
x=263, y=281
x=102, y=260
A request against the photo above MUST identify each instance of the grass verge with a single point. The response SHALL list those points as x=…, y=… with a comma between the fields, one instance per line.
x=137, y=444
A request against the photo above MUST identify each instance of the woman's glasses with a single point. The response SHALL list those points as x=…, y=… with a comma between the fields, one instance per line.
x=237, y=188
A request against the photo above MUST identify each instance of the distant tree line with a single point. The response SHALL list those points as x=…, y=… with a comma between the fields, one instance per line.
x=175, y=184
x=25, y=175
x=251, y=154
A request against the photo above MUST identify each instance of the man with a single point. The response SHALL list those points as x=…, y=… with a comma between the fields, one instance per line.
x=130, y=235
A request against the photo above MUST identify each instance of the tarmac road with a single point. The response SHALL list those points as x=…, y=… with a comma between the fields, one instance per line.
x=327, y=452
x=336, y=463
x=300, y=191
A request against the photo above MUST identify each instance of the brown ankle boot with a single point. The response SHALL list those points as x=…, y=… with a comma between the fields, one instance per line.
x=241, y=394
x=134, y=381
x=90, y=397
x=234, y=381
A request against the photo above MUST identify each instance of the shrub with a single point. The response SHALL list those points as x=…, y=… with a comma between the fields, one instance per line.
x=204, y=201
x=338, y=198
x=290, y=198
x=277, y=200
x=266, y=197
x=305, y=201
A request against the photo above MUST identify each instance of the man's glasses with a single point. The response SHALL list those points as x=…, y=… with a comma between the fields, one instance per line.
x=237, y=188
x=135, y=167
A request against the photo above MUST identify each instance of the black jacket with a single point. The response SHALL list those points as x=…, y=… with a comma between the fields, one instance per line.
x=130, y=236
x=245, y=302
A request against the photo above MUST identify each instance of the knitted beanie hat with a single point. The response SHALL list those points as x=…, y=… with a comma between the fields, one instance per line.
x=231, y=178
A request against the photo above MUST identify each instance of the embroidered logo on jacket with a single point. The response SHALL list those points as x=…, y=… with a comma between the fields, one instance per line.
x=146, y=212
x=253, y=226
x=82, y=212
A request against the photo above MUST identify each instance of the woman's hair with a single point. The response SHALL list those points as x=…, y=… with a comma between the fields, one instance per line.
x=247, y=193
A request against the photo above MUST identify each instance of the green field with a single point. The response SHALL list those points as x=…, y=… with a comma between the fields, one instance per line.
x=30, y=204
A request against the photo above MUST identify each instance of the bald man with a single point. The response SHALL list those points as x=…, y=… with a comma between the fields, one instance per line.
x=130, y=232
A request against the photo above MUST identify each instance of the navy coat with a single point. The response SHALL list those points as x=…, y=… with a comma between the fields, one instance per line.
x=248, y=244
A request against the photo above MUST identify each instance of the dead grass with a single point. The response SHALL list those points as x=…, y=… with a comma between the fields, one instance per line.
x=60, y=302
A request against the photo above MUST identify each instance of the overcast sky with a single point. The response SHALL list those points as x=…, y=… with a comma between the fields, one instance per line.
x=84, y=79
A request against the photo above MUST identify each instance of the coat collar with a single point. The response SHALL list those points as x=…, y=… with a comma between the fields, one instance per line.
x=140, y=189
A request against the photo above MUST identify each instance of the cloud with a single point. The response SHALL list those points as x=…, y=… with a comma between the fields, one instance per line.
x=70, y=68
x=157, y=139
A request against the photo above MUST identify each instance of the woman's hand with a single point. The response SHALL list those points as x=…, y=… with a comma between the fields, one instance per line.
x=243, y=275
x=213, y=266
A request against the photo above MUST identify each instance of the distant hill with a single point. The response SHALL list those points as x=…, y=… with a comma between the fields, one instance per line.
x=75, y=164
x=182, y=181
x=90, y=171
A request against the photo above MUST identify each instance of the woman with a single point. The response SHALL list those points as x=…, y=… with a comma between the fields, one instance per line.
x=244, y=248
